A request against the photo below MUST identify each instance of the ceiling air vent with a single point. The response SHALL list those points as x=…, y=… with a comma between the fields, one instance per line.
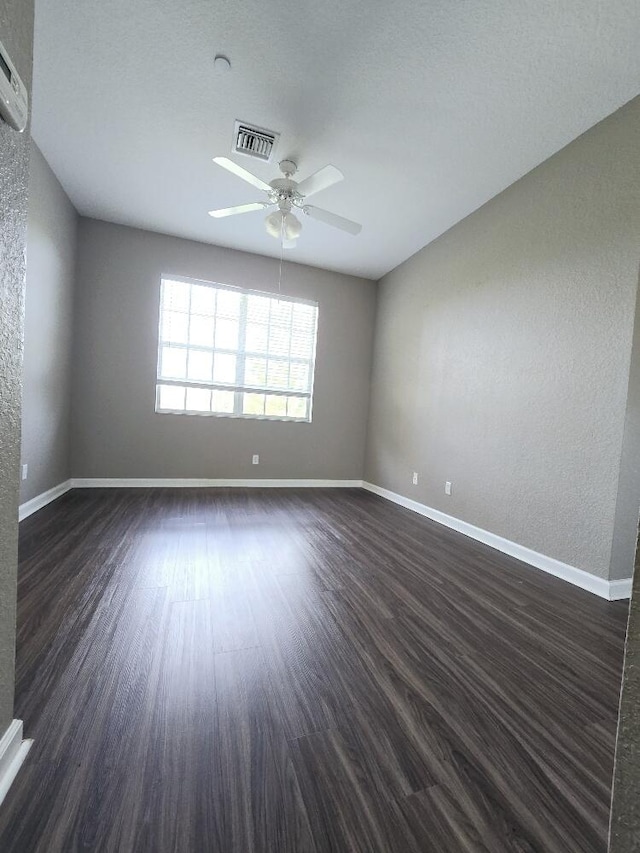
x=254, y=142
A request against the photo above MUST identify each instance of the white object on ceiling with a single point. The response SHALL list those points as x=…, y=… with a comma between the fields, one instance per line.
x=256, y=142
x=429, y=107
x=287, y=194
x=14, y=98
x=221, y=64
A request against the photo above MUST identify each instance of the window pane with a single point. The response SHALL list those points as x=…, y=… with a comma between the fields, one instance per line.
x=228, y=304
x=174, y=363
x=301, y=345
x=175, y=295
x=258, y=309
x=255, y=372
x=278, y=374
x=201, y=331
x=203, y=299
x=303, y=317
x=200, y=364
x=278, y=340
x=256, y=338
x=222, y=402
x=253, y=404
x=297, y=407
x=281, y=313
x=224, y=367
x=198, y=400
x=175, y=327
x=299, y=377
x=171, y=397
x=226, y=334
x=213, y=335
x=276, y=406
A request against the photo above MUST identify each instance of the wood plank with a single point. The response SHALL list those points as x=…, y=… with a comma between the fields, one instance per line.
x=237, y=670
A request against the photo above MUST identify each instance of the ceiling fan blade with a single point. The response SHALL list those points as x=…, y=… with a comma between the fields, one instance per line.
x=332, y=219
x=320, y=180
x=232, y=167
x=241, y=208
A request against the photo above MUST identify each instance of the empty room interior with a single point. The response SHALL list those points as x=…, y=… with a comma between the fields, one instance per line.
x=319, y=426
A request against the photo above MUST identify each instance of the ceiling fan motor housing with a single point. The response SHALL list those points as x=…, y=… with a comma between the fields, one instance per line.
x=284, y=190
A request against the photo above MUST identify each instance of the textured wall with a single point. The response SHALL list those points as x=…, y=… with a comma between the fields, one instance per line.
x=625, y=529
x=502, y=352
x=16, y=26
x=624, y=836
x=46, y=392
x=115, y=431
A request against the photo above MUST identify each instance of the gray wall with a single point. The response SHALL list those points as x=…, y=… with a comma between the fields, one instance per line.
x=16, y=26
x=46, y=392
x=625, y=529
x=115, y=431
x=502, y=352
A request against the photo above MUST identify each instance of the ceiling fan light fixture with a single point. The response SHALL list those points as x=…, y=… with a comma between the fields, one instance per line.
x=292, y=227
x=273, y=224
x=283, y=224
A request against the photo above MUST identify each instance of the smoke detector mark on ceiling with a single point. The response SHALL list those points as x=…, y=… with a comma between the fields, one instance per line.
x=254, y=141
x=221, y=64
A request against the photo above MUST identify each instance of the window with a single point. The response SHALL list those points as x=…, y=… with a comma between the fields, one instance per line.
x=236, y=353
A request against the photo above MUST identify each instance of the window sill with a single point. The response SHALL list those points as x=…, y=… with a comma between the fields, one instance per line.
x=279, y=418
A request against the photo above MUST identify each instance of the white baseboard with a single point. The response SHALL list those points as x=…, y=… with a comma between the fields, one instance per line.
x=13, y=751
x=620, y=589
x=29, y=507
x=129, y=483
x=611, y=590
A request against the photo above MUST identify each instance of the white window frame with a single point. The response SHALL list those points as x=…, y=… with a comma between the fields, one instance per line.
x=240, y=354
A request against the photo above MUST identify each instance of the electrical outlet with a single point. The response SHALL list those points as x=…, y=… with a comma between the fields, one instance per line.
x=255, y=459
x=415, y=478
x=25, y=471
x=447, y=488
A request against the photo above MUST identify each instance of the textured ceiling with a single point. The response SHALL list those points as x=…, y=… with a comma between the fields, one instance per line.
x=429, y=107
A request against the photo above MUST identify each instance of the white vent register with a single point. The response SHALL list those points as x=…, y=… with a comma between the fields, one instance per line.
x=14, y=100
x=254, y=141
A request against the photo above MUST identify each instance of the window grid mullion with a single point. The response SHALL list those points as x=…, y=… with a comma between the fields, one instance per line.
x=289, y=348
x=240, y=374
x=241, y=357
x=294, y=359
x=268, y=359
x=214, y=321
x=186, y=367
x=242, y=389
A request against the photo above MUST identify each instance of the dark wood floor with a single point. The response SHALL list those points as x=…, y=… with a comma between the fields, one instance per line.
x=311, y=670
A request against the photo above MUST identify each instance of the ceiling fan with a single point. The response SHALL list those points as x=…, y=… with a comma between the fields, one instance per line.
x=286, y=194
